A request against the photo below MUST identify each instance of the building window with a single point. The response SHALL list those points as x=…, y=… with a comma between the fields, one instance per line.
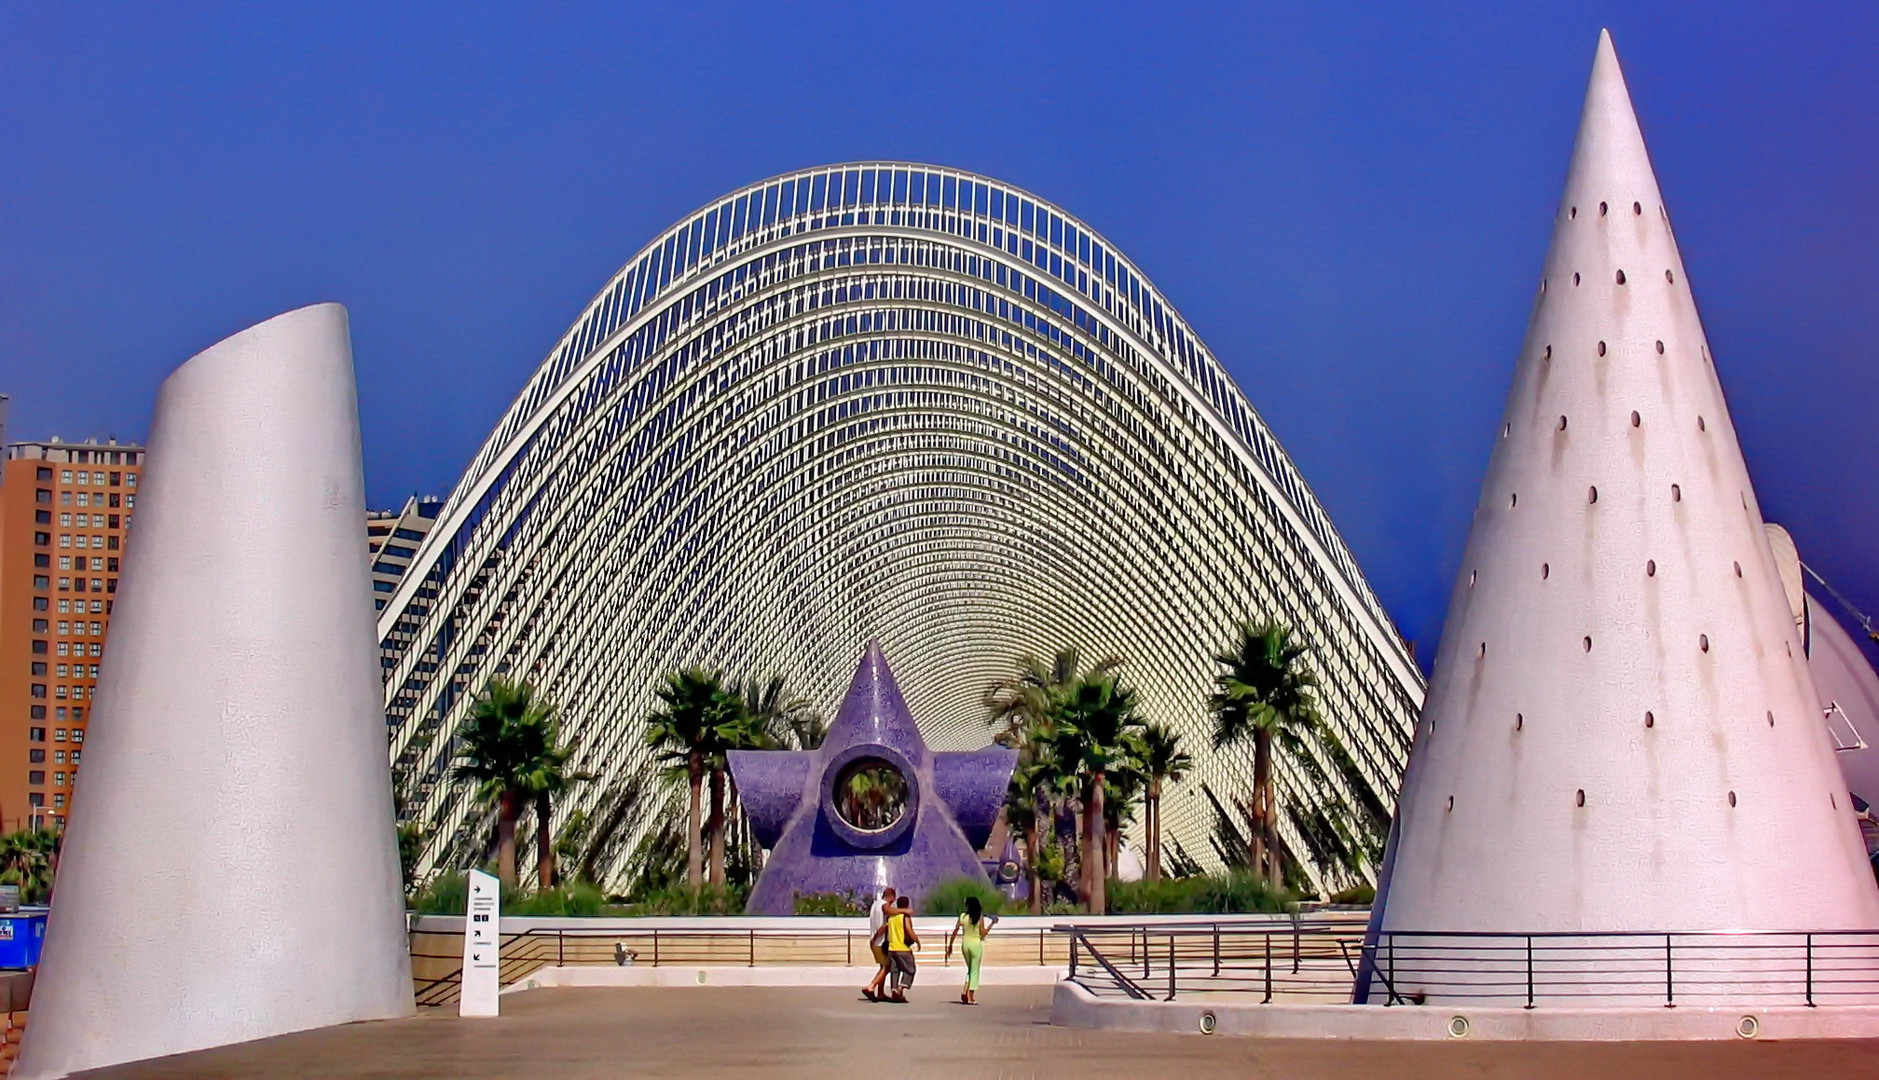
x=58, y=800
x=42, y=517
x=39, y=690
x=42, y=495
x=78, y=734
x=42, y=561
x=38, y=712
x=58, y=734
x=36, y=776
x=41, y=539
x=39, y=646
x=41, y=581
x=58, y=779
x=39, y=669
x=39, y=626
x=36, y=757
x=42, y=474
x=35, y=798
x=37, y=734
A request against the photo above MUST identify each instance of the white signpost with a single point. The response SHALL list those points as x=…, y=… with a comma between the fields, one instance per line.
x=482, y=947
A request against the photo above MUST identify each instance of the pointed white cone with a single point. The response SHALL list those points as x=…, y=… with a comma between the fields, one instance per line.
x=1621, y=732
x=231, y=870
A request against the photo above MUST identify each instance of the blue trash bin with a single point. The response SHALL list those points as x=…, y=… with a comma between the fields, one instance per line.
x=22, y=935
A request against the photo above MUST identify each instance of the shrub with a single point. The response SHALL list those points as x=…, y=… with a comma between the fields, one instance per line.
x=830, y=903
x=1234, y=892
x=1361, y=895
x=449, y=893
x=949, y=897
x=577, y=898
x=681, y=900
x=446, y=894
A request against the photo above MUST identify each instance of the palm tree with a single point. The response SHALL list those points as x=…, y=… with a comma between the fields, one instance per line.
x=507, y=745
x=1095, y=722
x=547, y=778
x=1265, y=693
x=1161, y=760
x=28, y=859
x=784, y=715
x=1022, y=703
x=693, y=705
x=1023, y=706
x=736, y=729
x=1031, y=802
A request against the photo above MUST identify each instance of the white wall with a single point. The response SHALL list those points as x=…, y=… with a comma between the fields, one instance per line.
x=230, y=871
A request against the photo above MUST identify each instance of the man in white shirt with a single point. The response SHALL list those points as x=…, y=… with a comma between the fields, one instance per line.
x=877, y=918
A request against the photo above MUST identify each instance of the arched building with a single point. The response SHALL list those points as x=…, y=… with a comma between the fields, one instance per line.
x=896, y=401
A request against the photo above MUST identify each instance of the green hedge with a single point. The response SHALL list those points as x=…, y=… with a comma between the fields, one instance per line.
x=949, y=897
x=1234, y=892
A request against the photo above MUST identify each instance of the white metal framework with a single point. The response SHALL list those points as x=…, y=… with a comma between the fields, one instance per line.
x=885, y=400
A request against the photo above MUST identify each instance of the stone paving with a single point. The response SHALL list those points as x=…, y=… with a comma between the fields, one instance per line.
x=573, y=1034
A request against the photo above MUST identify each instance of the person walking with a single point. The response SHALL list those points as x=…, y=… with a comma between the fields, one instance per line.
x=899, y=938
x=971, y=929
x=877, y=918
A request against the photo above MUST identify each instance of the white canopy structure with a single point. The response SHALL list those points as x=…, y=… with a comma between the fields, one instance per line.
x=898, y=401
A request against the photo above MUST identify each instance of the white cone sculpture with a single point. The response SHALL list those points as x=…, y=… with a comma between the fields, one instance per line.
x=1621, y=732
x=231, y=870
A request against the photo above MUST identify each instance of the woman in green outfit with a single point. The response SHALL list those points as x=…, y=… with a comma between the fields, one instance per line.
x=971, y=930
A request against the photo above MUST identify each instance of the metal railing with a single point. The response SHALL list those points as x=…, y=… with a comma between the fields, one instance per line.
x=437, y=956
x=1325, y=960
x=1641, y=968
x=1296, y=959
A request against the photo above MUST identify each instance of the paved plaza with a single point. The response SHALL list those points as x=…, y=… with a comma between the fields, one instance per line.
x=822, y=1033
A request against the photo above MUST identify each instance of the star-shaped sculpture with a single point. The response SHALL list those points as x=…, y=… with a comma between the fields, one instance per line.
x=872, y=806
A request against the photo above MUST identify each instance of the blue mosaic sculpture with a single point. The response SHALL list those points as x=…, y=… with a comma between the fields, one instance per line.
x=872, y=806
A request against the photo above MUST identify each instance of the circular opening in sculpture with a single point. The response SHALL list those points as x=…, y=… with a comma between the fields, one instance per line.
x=870, y=795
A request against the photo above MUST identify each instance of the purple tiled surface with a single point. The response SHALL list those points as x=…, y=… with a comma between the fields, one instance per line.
x=957, y=795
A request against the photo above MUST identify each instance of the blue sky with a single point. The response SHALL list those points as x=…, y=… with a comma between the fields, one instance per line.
x=1349, y=202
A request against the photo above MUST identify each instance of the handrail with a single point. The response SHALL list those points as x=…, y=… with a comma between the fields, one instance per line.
x=525, y=951
x=1327, y=958
x=1128, y=985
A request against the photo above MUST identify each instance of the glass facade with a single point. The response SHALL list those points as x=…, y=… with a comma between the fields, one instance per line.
x=880, y=400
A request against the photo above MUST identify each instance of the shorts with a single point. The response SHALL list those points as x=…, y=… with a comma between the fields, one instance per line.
x=880, y=955
x=901, y=968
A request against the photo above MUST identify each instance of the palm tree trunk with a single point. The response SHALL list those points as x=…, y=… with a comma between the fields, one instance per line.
x=1263, y=857
x=1030, y=866
x=1098, y=898
x=694, y=851
x=1151, y=830
x=1262, y=802
x=544, y=843
x=717, y=826
x=506, y=813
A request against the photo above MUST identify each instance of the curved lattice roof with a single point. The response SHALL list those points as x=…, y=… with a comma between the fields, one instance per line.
x=880, y=400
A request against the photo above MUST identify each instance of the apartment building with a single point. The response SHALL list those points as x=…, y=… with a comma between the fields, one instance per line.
x=65, y=513
x=392, y=538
